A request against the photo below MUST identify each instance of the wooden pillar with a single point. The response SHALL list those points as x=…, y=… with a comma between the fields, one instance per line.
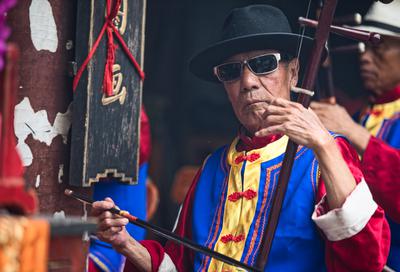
x=45, y=33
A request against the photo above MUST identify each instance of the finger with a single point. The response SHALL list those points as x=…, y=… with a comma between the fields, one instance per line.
x=319, y=111
x=317, y=105
x=99, y=207
x=286, y=103
x=275, y=119
x=106, y=215
x=270, y=130
x=274, y=110
x=115, y=230
x=109, y=223
x=107, y=235
x=108, y=199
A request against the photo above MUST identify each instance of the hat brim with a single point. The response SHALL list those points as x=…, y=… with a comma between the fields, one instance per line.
x=378, y=30
x=202, y=64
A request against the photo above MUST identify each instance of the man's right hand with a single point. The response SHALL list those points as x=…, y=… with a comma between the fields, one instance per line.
x=111, y=227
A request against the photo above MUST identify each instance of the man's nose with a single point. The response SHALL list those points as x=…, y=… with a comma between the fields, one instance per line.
x=249, y=80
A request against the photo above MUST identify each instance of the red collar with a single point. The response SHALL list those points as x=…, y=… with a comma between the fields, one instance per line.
x=248, y=143
x=388, y=96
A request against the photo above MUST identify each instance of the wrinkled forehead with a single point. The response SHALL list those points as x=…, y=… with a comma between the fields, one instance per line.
x=250, y=54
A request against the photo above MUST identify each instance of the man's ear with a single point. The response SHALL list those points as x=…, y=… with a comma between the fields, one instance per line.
x=294, y=71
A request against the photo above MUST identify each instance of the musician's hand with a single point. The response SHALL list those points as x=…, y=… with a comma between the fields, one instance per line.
x=111, y=228
x=301, y=125
x=334, y=117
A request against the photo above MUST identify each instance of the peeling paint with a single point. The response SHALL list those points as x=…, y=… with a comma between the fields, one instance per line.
x=62, y=124
x=37, y=183
x=85, y=235
x=59, y=215
x=43, y=26
x=28, y=122
x=69, y=45
x=85, y=212
x=60, y=172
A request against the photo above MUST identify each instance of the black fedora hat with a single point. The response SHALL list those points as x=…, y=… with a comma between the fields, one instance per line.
x=255, y=27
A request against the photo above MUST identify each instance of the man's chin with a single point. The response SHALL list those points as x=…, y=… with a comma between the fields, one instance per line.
x=371, y=88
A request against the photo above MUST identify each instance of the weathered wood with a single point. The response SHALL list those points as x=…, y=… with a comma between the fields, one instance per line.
x=46, y=50
x=105, y=129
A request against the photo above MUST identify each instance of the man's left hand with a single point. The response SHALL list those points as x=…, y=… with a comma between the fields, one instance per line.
x=300, y=124
x=334, y=117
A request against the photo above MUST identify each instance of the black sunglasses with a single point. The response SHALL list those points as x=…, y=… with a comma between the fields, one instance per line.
x=258, y=65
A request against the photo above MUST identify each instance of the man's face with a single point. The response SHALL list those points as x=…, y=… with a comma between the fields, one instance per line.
x=249, y=95
x=380, y=66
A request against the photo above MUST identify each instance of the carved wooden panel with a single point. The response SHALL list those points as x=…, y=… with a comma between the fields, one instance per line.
x=105, y=129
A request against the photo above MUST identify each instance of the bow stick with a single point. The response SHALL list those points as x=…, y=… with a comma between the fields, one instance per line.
x=167, y=234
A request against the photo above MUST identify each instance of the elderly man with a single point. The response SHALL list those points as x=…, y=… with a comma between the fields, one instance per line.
x=377, y=135
x=227, y=206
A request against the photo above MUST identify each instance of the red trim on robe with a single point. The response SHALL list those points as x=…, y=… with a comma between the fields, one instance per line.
x=372, y=243
x=388, y=96
x=381, y=165
x=181, y=256
x=145, y=138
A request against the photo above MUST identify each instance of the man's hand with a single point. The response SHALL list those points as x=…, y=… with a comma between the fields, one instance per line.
x=300, y=124
x=111, y=228
x=336, y=119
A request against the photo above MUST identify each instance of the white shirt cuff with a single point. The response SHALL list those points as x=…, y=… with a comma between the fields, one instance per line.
x=350, y=219
x=167, y=265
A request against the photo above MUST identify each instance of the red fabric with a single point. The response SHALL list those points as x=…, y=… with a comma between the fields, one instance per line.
x=92, y=267
x=248, y=143
x=13, y=191
x=11, y=164
x=381, y=165
x=372, y=243
x=365, y=251
x=388, y=97
x=145, y=138
x=156, y=252
x=112, y=11
x=180, y=255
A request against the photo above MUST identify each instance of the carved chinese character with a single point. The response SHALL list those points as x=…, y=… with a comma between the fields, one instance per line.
x=121, y=18
x=119, y=91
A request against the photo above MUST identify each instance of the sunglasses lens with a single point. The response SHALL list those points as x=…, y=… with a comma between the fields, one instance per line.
x=263, y=64
x=229, y=71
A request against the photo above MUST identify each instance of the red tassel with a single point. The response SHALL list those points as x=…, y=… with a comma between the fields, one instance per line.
x=112, y=11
